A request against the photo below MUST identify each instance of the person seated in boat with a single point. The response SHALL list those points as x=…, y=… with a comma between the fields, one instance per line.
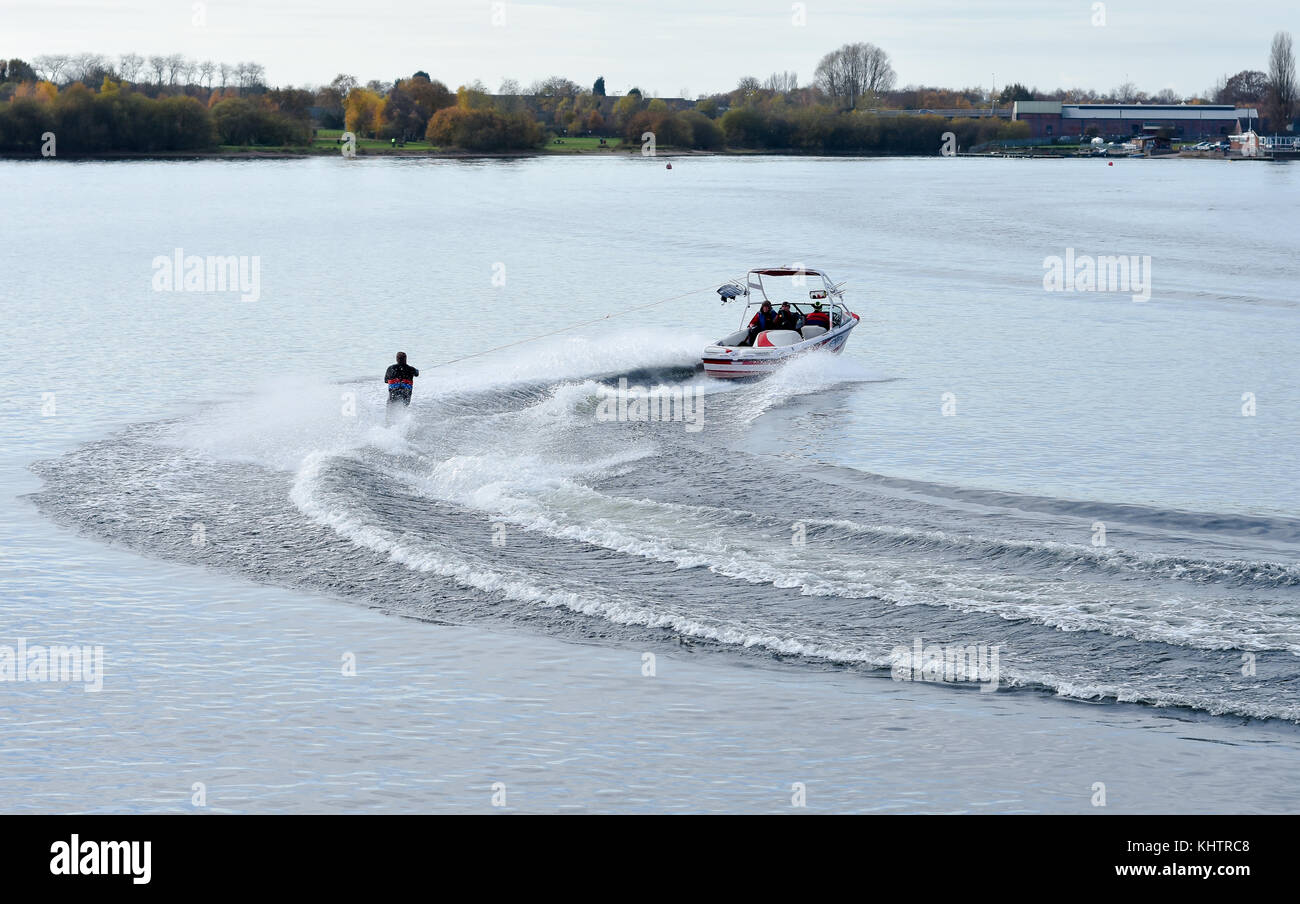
x=818, y=317
x=788, y=319
x=765, y=319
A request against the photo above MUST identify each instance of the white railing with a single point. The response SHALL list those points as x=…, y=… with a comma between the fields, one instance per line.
x=1280, y=141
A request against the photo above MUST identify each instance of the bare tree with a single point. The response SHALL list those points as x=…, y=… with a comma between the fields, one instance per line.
x=748, y=87
x=1219, y=87
x=128, y=66
x=855, y=71
x=782, y=82
x=507, y=99
x=87, y=68
x=50, y=67
x=256, y=75
x=225, y=70
x=206, y=70
x=1281, y=82
x=98, y=68
x=555, y=86
x=343, y=83
x=175, y=66
x=1125, y=93
x=78, y=63
x=158, y=66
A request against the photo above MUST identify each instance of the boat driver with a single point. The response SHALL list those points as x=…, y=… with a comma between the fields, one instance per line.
x=787, y=319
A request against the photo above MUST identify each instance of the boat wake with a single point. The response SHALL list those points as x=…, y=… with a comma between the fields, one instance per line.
x=507, y=498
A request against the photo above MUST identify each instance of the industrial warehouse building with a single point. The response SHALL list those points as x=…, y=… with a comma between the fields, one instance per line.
x=1052, y=119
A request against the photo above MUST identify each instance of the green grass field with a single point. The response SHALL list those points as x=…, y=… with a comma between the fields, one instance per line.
x=581, y=145
x=327, y=139
x=326, y=142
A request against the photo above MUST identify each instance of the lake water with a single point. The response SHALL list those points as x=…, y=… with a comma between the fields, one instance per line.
x=1103, y=489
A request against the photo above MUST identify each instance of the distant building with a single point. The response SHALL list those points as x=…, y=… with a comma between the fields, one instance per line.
x=1247, y=144
x=1052, y=119
x=1153, y=143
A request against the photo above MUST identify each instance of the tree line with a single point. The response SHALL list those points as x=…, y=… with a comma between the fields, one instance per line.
x=134, y=103
x=119, y=118
x=172, y=70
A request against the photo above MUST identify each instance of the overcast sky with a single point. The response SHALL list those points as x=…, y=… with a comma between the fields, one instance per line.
x=667, y=46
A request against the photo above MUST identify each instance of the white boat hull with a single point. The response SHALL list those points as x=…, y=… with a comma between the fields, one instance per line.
x=734, y=362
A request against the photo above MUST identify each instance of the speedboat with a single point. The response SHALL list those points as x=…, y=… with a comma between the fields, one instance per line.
x=823, y=321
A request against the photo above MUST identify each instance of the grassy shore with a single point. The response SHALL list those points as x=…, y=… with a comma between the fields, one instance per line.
x=326, y=143
x=585, y=145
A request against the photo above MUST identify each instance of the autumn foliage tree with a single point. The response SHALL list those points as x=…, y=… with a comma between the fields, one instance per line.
x=115, y=119
x=430, y=96
x=683, y=129
x=363, y=112
x=484, y=130
x=242, y=121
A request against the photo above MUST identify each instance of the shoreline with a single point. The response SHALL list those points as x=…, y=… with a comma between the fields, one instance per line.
x=296, y=153
x=673, y=153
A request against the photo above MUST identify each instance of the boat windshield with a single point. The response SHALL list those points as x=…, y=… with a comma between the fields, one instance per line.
x=798, y=288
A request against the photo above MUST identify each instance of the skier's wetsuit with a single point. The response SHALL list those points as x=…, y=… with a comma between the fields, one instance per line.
x=400, y=377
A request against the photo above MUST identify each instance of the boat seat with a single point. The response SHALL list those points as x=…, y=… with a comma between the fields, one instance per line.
x=735, y=338
x=813, y=329
x=777, y=338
